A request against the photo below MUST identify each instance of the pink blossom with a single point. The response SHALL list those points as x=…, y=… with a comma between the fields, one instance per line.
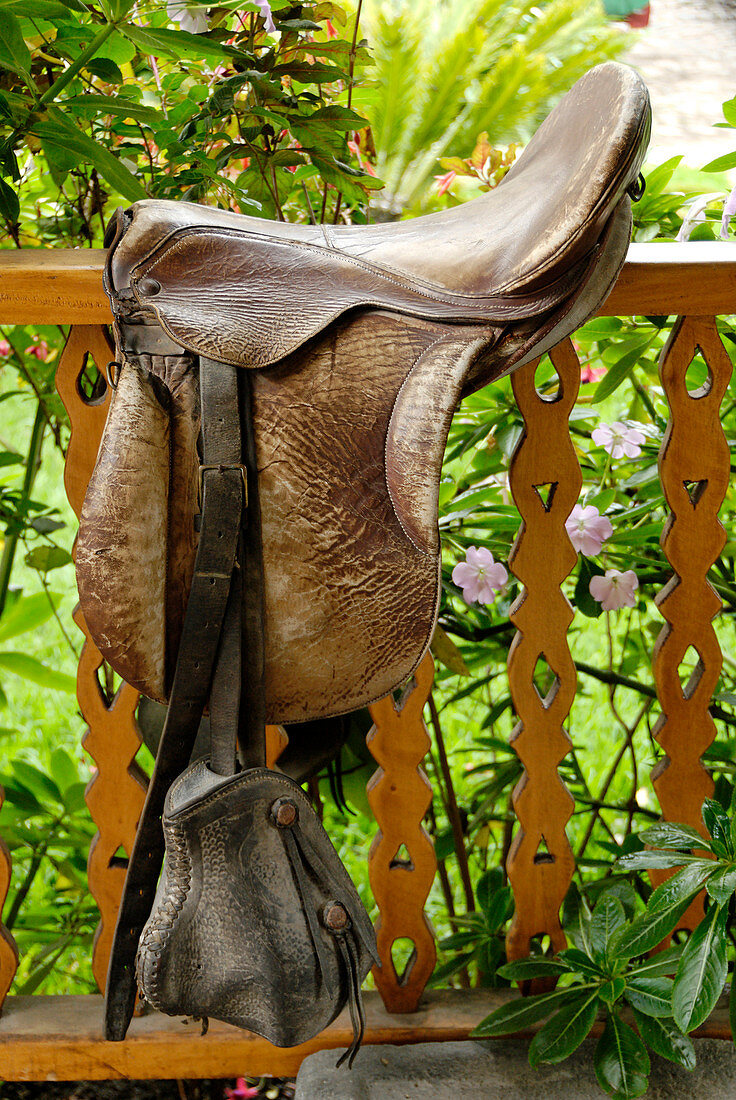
x=39, y=349
x=479, y=576
x=592, y=374
x=5, y=349
x=242, y=1090
x=729, y=209
x=588, y=529
x=331, y=32
x=190, y=17
x=619, y=439
x=615, y=589
x=266, y=14
x=444, y=183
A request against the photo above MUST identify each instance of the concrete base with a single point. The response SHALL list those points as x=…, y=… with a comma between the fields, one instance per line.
x=499, y=1070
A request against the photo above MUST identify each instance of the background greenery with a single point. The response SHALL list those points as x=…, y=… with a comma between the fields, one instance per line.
x=103, y=103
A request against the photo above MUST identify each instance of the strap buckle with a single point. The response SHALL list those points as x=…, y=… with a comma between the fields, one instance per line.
x=221, y=467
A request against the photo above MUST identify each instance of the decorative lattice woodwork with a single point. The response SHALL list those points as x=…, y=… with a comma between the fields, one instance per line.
x=401, y=861
x=545, y=481
x=694, y=468
x=116, y=792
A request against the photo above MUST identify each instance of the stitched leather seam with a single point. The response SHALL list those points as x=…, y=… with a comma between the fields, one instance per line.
x=475, y=302
x=437, y=340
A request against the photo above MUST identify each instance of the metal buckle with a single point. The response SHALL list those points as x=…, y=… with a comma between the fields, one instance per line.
x=113, y=376
x=221, y=467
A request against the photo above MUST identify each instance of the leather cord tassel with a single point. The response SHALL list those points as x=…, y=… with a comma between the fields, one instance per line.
x=313, y=860
x=355, y=1000
x=302, y=883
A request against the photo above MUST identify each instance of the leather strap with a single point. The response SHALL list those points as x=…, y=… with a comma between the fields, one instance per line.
x=223, y=501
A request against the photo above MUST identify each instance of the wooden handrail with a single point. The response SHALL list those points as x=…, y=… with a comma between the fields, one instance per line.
x=64, y=285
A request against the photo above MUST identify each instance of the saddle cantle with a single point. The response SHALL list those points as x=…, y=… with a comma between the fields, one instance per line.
x=342, y=352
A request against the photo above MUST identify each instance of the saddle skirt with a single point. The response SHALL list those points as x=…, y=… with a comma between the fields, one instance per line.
x=359, y=342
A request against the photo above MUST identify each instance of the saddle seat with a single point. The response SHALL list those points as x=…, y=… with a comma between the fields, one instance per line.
x=515, y=253
x=366, y=338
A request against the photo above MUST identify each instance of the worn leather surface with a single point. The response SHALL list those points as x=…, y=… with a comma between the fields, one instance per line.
x=227, y=936
x=350, y=424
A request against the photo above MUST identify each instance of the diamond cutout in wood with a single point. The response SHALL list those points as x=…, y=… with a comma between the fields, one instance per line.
x=546, y=681
x=546, y=492
x=695, y=490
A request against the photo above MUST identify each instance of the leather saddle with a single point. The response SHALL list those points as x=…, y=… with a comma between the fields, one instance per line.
x=343, y=351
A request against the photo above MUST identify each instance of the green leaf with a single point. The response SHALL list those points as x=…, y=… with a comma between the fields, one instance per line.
x=14, y=54
x=716, y=822
x=61, y=132
x=720, y=164
x=46, y=558
x=722, y=884
x=114, y=105
x=621, y=1060
x=729, y=111
x=682, y=885
x=567, y=1029
x=652, y=996
x=648, y=930
x=642, y=861
x=664, y=962
x=578, y=960
x=619, y=372
x=611, y=990
x=732, y=1009
x=702, y=972
x=524, y=969
x=28, y=613
x=156, y=40
x=105, y=69
x=608, y=917
x=522, y=1013
x=666, y=835
x=9, y=202
x=584, y=602
x=63, y=769
x=37, y=782
x=666, y=1039
x=30, y=669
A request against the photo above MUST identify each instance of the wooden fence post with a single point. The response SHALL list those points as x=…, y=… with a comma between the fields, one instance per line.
x=545, y=481
x=694, y=467
x=399, y=795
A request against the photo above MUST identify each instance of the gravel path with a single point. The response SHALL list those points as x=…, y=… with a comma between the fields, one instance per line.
x=687, y=55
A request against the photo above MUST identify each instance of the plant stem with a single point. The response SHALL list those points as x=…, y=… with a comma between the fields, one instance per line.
x=453, y=811
x=351, y=81
x=68, y=75
x=32, y=464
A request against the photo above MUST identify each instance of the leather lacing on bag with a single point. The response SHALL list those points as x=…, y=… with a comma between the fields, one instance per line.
x=336, y=918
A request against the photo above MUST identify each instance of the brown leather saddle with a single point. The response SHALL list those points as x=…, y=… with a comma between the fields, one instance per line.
x=306, y=376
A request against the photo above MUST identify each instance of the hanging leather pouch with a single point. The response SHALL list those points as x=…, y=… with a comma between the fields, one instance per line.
x=255, y=921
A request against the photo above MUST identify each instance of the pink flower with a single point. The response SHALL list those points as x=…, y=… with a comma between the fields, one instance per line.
x=592, y=374
x=444, y=183
x=331, y=32
x=242, y=1090
x=618, y=439
x=479, y=576
x=40, y=349
x=588, y=529
x=190, y=17
x=5, y=349
x=729, y=209
x=615, y=589
x=266, y=15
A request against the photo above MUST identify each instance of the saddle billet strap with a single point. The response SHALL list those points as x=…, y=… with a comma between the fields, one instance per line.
x=223, y=500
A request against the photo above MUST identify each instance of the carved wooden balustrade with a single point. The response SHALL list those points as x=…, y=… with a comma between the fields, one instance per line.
x=60, y=1036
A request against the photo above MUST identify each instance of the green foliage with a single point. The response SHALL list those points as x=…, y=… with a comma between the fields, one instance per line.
x=95, y=108
x=443, y=72
x=598, y=977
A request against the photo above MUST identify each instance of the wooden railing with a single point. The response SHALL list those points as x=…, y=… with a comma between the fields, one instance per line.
x=61, y=1036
